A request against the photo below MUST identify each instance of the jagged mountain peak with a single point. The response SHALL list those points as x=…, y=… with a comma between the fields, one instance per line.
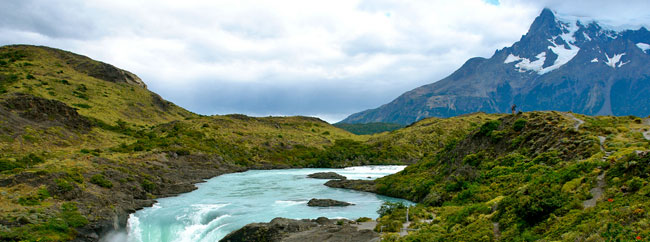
x=563, y=63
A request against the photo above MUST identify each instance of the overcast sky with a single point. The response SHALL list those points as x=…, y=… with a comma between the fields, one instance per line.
x=316, y=58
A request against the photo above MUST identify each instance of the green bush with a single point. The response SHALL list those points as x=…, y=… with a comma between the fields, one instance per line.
x=548, y=158
x=474, y=159
x=63, y=185
x=29, y=201
x=539, y=201
x=460, y=217
x=148, y=185
x=101, y=181
x=71, y=215
x=389, y=207
x=519, y=124
x=30, y=160
x=363, y=219
x=635, y=184
x=6, y=165
x=488, y=127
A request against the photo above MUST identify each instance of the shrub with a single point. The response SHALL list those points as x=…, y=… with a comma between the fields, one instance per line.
x=548, y=158
x=635, y=184
x=512, y=159
x=6, y=165
x=474, y=159
x=489, y=126
x=100, y=180
x=29, y=201
x=519, y=124
x=31, y=159
x=71, y=215
x=389, y=207
x=63, y=185
x=148, y=185
x=460, y=217
x=363, y=219
x=540, y=201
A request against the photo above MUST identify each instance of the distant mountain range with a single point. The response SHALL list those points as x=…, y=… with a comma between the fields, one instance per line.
x=562, y=64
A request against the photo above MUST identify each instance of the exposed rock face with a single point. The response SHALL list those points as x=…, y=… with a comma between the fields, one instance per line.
x=359, y=185
x=290, y=230
x=560, y=64
x=44, y=111
x=327, y=175
x=314, y=202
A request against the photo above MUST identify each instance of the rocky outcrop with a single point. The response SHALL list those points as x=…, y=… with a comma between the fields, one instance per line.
x=326, y=175
x=314, y=202
x=44, y=111
x=290, y=230
x=359, y=185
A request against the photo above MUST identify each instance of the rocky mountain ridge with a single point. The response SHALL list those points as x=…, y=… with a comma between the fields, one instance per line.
x=562, y=63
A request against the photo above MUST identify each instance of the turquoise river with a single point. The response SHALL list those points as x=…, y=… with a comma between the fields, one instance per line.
x=228, y=202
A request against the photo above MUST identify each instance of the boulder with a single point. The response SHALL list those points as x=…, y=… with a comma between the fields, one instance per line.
x=314, y=202
x=291, y=230
x=359, y=185
x=326, y=175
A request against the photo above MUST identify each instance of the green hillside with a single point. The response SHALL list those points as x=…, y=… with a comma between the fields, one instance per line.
x=530, y=177
x=83, y=142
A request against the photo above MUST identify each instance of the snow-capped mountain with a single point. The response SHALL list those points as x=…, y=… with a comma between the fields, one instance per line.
x=562, y=63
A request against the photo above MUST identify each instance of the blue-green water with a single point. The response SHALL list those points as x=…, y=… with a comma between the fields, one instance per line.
x=228, y=202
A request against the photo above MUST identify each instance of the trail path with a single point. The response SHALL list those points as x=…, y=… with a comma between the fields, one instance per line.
x=597, y=192
x=496, y=230
x=405, y=229
x=578, y=122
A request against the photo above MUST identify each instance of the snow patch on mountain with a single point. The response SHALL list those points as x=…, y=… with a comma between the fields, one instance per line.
x=595, y=60
x=527, y=65
x=615, y=61
x=524, y=64
x=563, y=56
x=511, y=58
x=643, y=46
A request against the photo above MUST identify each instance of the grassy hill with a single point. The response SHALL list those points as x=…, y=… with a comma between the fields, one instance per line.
x=84, y=142
x=529, y=177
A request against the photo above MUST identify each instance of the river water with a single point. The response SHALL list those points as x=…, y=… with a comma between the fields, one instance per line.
x=228, y=202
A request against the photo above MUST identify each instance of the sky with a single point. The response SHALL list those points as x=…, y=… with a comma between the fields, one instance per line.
x=289, y=57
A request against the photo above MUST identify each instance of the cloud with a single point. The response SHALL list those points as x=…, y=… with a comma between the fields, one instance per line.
x=287, y=57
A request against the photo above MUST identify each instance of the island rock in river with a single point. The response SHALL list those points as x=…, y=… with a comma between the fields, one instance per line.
x=327, y=175
x=291, y=230
x=314, y=202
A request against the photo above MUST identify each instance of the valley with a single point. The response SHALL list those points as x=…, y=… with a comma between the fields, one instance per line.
x=85, y=145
